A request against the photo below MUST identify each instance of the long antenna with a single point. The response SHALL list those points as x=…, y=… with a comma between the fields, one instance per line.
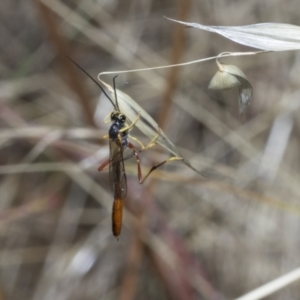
x=117, y=104
x=116, y=107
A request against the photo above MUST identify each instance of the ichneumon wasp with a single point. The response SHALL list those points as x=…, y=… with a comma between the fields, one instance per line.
x=118, y=136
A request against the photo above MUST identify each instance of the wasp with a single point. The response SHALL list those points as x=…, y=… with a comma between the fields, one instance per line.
x=118, y=136
x=118, y=141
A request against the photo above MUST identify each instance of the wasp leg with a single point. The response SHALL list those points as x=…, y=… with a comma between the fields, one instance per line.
x=150, y=144
x=107, y=119
x=159, y=165
x=153, y=141
x=138, y=141
x=136, y=154
x=142, y=180
x=129, y=127
x=103, y=165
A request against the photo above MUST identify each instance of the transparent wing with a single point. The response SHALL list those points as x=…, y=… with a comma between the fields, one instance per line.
x=117, y=175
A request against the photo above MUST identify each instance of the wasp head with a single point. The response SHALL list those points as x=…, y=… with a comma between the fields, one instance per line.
x=117, y=116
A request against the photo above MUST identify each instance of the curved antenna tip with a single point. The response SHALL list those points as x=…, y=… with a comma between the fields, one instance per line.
x=102, y=89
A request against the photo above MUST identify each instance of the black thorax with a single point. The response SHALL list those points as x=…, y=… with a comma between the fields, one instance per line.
x=114, y=133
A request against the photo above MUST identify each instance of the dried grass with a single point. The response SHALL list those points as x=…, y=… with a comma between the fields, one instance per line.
x=184, y=236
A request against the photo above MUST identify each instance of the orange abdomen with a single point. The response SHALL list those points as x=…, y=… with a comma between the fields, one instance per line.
x=117, y=217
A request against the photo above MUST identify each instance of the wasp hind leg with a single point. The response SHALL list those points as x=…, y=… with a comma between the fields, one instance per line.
x=140, y=177
x=159, y=165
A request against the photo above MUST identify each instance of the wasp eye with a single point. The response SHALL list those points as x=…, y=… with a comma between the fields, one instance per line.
x=113, y=116
x=123, y=118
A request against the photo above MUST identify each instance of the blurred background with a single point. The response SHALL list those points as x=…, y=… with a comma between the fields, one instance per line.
x=184, y=236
